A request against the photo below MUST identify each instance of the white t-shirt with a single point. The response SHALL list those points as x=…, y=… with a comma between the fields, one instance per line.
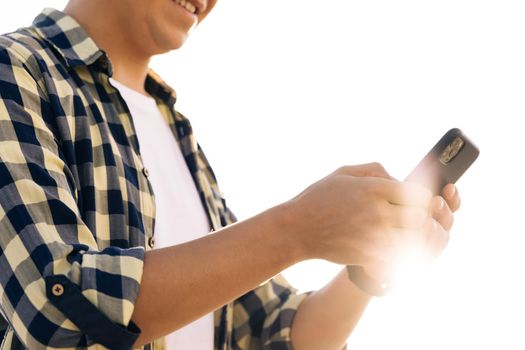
x=180, y=216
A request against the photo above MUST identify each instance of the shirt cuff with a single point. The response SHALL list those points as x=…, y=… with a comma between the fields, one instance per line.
x=67, y=297
x=278, y=326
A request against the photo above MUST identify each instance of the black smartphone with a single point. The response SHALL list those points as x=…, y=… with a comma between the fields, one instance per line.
x=450, y=157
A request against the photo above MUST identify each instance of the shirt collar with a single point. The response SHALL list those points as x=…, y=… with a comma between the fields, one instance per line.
x=157, y=87
x=69, y=39
x=76, y=48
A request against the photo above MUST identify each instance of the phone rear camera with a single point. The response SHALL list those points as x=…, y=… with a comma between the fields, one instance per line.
x=452, y=150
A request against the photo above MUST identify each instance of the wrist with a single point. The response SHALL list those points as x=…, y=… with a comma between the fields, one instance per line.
x=368, y=284
x=289, y=233
x=377, y=273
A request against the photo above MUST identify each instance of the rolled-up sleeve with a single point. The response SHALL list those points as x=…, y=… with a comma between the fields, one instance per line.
x=262, y=318
x=57, y=288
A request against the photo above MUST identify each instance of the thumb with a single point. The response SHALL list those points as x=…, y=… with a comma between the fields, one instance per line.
x=363, y=170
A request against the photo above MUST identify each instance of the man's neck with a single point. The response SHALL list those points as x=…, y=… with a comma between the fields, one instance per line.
x=129, y=66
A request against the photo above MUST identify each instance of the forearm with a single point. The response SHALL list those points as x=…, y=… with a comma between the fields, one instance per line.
x=326, y=318
x=184, y=282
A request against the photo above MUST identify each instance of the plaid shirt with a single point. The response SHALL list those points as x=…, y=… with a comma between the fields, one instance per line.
x=77, y=211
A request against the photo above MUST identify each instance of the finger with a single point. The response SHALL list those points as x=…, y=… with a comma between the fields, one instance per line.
x=451, y=195
x=409, y=217
x=441, y=213
x=370, y=169
x=437, y=239
x=406, y=193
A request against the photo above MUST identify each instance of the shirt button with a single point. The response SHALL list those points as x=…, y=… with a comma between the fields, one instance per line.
x=57, y=289
x=145, y=171
x=151, y=242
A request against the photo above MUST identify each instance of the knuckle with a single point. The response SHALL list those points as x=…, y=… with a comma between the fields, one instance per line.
x=377, y=165
x=343, y=169
x=379, y=169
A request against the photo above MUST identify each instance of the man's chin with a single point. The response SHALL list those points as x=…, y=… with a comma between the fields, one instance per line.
x=169, y=43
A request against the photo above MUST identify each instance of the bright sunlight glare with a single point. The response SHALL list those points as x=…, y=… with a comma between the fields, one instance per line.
x=282, y=94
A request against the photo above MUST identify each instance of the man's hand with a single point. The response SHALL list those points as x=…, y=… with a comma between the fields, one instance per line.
x=436, y=237
x=359, y=215
x=327, y=317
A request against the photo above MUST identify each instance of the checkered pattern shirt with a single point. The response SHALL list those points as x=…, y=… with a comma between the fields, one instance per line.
x=77, y=211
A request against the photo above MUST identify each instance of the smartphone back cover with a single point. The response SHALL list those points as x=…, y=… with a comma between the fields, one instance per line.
x=434, y=171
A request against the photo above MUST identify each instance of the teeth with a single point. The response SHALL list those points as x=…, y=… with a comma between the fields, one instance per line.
x=190, y=7
x=187, y=5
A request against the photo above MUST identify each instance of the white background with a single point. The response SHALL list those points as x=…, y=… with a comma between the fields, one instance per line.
x=282, y=93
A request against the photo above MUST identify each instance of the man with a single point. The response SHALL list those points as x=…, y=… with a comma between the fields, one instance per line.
x=89, y=134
